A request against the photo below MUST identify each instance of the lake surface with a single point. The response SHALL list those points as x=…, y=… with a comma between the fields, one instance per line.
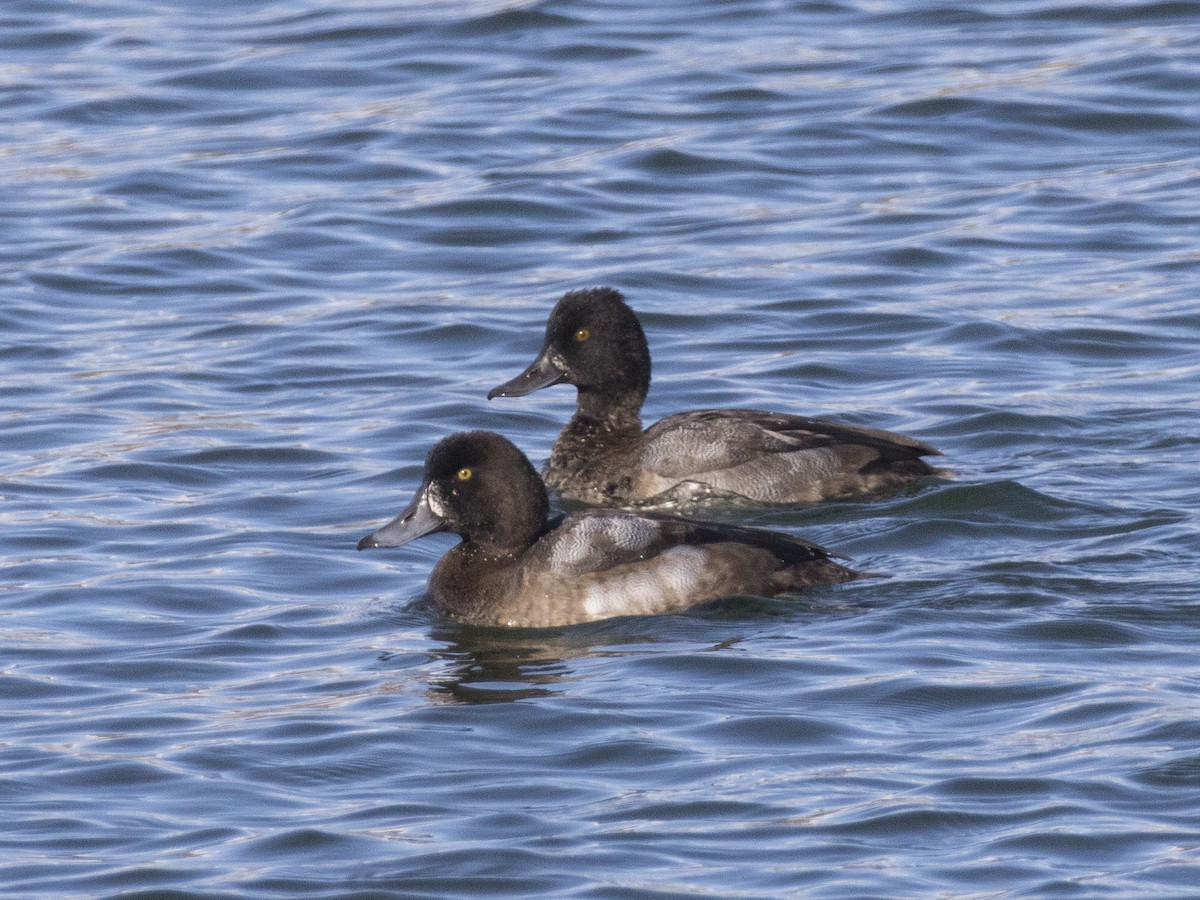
x=257, y=258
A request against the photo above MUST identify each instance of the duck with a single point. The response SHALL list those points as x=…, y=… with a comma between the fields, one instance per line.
x=514, y=567
x=595, y=342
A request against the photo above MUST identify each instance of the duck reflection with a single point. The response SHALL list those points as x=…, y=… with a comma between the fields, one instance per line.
x=471, y=664
x=499, y=665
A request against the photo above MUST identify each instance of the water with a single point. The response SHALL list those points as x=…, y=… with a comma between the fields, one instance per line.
x=257, y=259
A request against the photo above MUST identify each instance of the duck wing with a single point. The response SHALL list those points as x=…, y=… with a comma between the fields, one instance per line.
x=597, y=541
x=708, y=440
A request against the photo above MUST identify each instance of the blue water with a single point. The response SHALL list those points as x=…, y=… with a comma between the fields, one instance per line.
x=256, y=258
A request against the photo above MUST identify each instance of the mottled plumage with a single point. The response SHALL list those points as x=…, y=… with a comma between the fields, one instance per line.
x=595, y=342
x=512, y=568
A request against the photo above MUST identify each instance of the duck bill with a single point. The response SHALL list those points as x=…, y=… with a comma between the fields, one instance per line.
x=417, y=520
x=544, y=371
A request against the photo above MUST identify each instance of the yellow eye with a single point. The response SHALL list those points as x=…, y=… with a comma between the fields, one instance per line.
x=464, y=473
x=582, y=335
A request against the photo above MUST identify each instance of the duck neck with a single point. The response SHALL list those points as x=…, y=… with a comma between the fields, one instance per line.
x=592, y=456
x=597, y=413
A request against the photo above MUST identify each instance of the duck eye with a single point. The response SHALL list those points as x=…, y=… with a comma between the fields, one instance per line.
x=582, y=335
x=464, y=473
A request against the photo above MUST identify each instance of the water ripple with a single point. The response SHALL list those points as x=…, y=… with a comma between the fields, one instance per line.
x=255, y=265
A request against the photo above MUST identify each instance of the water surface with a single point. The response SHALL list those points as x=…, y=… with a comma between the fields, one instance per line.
x=256, y=261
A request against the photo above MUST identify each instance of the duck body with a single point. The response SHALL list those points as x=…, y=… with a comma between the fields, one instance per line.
x=730, y=454
x=515, y=569
x=595, y=341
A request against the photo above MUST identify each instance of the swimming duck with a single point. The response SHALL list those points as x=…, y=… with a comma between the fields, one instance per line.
x=513, y=568
x=595, y=342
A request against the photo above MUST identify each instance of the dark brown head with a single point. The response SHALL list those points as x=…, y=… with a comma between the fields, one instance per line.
x=478, y=485
x=595, y=342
